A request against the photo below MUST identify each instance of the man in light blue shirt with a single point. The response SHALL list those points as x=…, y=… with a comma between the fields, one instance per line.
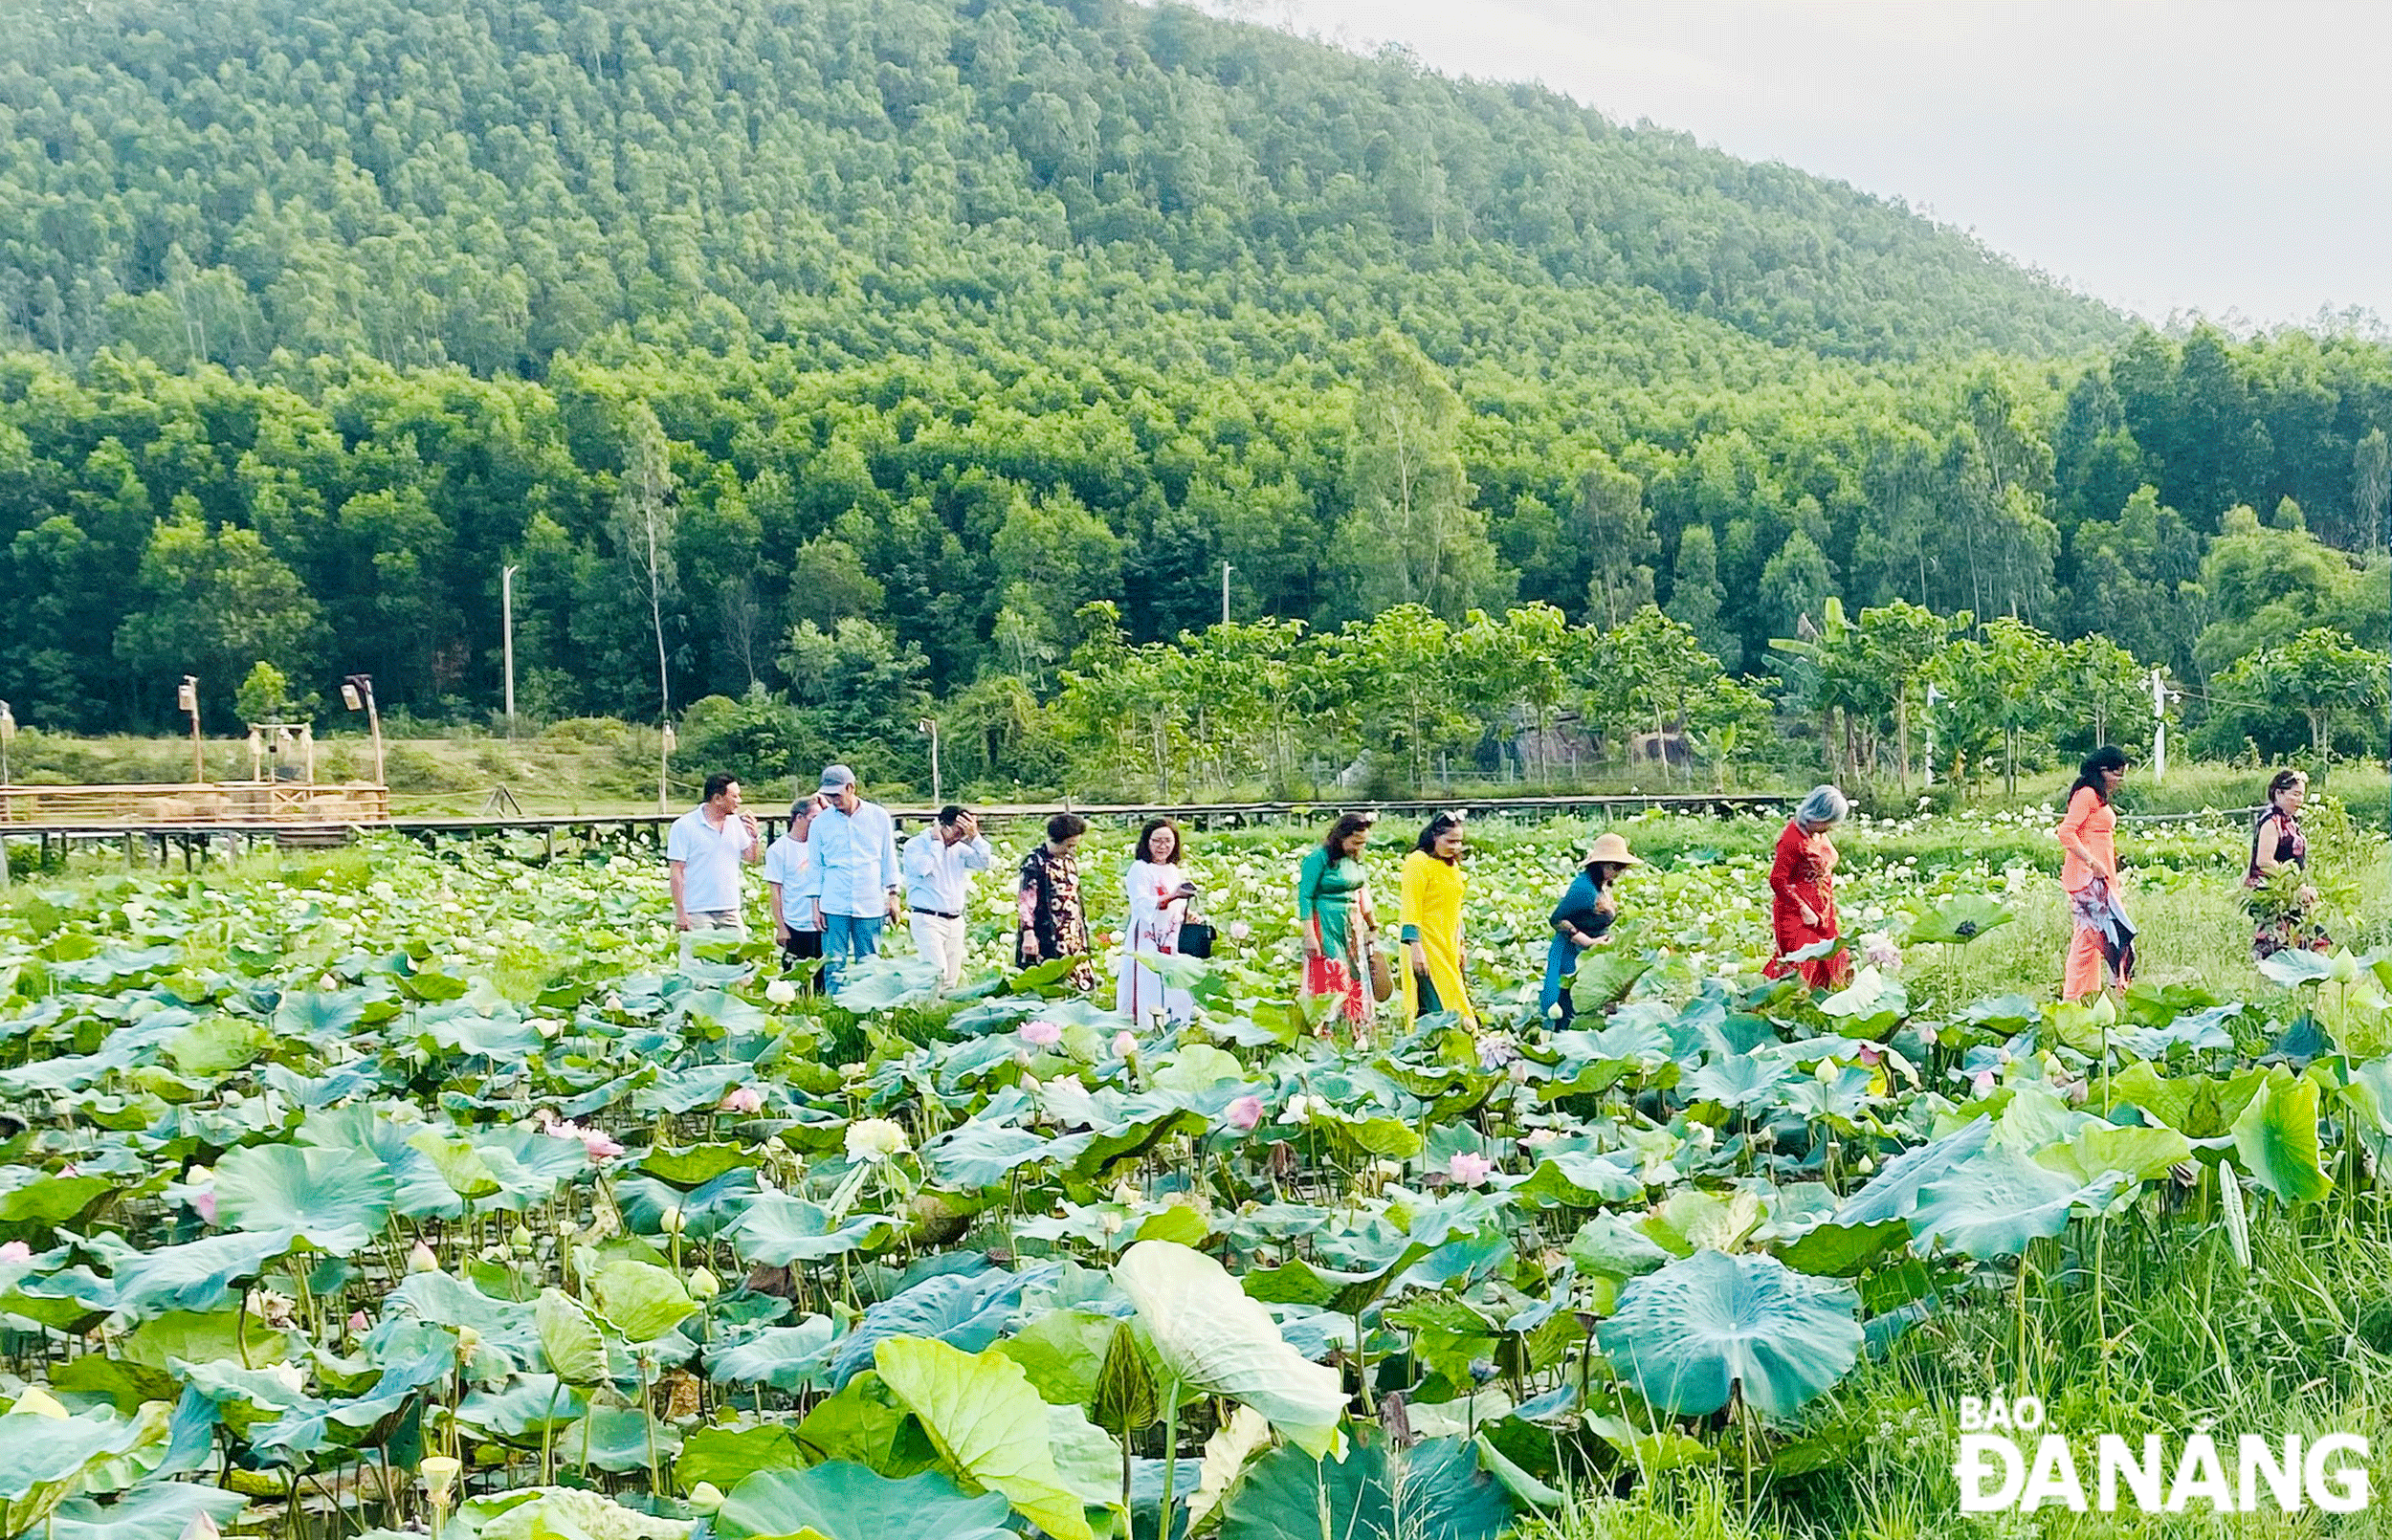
x=854, y=880
x=704, y=852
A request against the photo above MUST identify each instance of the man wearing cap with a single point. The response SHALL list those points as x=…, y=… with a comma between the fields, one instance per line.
x=704, y=852
x=1581, y=920
x=939, y=863
x=854, y=880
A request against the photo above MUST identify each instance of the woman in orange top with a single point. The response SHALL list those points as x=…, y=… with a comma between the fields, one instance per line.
x=2090, y=876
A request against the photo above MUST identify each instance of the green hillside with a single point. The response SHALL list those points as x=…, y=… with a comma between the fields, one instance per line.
x=909, y=329
x=490, y=183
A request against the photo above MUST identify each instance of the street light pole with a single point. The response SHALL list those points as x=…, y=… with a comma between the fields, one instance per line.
x=187, y=698
x=358, y=690
x=930, y=725
x=506, y=622
x=2159, y=725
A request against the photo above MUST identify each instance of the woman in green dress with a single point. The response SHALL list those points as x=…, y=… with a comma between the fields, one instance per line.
x=1333, y=911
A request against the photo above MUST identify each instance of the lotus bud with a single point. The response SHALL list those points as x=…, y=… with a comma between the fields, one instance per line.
x=521, y=1239
x=781, y=992
x=440, y=1473
x=1124, y=1045
x=420, y=1258
x=201, y=1528
x=40, y=1404
x=1126, y=1193
x=703, y=1284
x=705, y=1497
x=672, y=1222
x=359, y=1323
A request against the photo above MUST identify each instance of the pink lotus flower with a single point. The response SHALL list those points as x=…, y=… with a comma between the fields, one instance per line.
x=1927, y=1033
x=1041, y=1034
x=1239, y=930
x=205, y=1203
x=1870, y=1054
x=1497, y=1049
x=1243, y=1113
x=744, y=1100
x=1124, y=1044
x=358, y=1324
x=1981, y=1083
x=16, y=1251
x=1468, y=1169
x=596, y=1143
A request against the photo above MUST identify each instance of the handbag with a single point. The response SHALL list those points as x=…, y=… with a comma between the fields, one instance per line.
x=1196, y=938
x=1382, y=976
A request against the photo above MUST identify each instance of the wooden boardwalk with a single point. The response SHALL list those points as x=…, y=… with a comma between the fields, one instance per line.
x=195, y=839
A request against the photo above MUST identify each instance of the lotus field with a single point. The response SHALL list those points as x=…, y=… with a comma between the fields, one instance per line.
x=417, y=1191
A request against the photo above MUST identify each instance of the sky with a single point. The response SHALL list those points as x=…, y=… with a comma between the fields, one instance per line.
x=2227, y=157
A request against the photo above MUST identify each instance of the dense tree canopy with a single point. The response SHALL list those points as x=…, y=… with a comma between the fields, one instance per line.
x=855, y=351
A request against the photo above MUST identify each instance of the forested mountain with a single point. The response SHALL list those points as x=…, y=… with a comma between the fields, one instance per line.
x=906, y=328
x=490, y=182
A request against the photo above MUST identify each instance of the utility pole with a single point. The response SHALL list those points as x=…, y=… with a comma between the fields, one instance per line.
x=664, y=769
x=1224, y=593
x=2159, y=725
x=930, y=725
x=506, y=625
x=1934, y=695
x=187, y=697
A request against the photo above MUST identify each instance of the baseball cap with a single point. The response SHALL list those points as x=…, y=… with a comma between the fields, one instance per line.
x=838, y=778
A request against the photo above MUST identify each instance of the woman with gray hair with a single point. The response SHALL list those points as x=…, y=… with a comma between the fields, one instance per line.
x=1802, y=894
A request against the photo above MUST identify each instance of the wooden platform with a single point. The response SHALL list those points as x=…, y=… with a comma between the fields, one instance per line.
x=186, y=804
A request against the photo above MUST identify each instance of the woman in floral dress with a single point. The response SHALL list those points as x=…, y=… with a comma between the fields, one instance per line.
x=1051, y=923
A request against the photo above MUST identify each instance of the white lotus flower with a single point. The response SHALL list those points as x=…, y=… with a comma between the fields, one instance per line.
x=781, y=992
x=875, y=1139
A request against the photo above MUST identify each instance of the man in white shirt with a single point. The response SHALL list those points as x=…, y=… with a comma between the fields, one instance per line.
x=704, y=852
x=793, y=921
x=938, y=863
x=854, y=880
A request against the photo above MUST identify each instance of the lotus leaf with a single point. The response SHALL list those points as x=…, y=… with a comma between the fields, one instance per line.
x=840, y=1501
x=1711, y=1325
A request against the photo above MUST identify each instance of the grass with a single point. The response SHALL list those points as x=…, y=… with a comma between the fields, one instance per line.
x=599, y=767
x=2151, y=1329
